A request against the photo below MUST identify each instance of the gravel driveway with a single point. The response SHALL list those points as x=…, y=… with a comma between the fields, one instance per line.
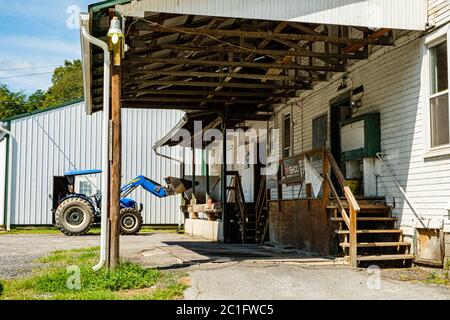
x=17, y=252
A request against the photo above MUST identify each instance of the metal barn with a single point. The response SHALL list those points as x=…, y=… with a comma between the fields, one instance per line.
x=47, y=143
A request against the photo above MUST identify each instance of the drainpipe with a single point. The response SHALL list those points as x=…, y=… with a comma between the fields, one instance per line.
x=105, y=143
x=7, y=213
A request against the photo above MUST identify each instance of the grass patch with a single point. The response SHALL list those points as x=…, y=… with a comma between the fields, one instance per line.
x=438, y=278
x=68, y=275
x=93, y=232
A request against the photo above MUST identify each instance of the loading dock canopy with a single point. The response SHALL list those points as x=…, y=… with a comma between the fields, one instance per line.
x=239, y=66
x=393, y=14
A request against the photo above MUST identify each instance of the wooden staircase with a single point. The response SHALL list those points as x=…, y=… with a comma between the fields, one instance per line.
x=378, y=240
x=243, y=213
x=252, y=217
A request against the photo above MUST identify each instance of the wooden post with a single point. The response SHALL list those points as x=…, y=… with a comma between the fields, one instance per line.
x=226, y=222
x=326, y=185
x=353, y=238
x=116, y=163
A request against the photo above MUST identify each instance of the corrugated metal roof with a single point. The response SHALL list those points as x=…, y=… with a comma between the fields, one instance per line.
x=394, y=14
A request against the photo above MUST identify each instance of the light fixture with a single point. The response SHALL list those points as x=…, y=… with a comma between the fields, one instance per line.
x=343, y=84
x=115, y=31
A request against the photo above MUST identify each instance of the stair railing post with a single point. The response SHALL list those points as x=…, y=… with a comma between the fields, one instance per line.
x=353, y=238
x=326, y=185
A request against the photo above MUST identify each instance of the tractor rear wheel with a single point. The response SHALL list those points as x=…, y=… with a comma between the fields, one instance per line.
x=75, y=216
x=130, y=222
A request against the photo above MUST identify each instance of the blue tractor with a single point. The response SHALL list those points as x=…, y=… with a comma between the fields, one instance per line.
x=77, y=213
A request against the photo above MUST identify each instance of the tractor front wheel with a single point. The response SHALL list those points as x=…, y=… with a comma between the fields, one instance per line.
x=130, y=222
x=74, y=216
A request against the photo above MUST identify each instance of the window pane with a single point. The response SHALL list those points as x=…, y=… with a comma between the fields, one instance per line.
x=287, y=136
x=439, y=68
x=439, y=121
x=320, y=132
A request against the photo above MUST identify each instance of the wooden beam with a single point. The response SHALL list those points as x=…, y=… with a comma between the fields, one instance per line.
x=194, y=100
x=267, y=52
x=145, y=26
x=355, y=47
x=195, y=107
x=219, y=94
x=144, y=61
x=145, y=84
x=144, y=73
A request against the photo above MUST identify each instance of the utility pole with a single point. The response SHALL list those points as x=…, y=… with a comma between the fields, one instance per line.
x=116, y=163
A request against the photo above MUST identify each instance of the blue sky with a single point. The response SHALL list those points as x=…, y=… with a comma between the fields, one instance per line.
x=35, y=33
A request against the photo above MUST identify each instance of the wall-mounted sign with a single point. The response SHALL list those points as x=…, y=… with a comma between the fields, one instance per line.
x=292, y=170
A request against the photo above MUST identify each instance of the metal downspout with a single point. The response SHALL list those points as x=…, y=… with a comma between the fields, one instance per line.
x=105, y=143
x=7, y=215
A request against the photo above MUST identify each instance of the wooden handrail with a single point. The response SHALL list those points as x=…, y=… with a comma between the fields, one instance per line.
x=354, y=208
x=338, y=201
x=343, y=183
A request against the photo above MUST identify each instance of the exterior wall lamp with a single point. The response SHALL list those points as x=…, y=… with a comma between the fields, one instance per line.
x=117, y=41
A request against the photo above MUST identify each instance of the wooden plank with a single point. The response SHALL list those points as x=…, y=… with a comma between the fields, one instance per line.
x=378, y=244
x=371, y=231
x=213, y=75
x=144, y=26
x=386, y=257
x=193, y=100
x=136, y=61
x=146, y=84
x=137, y=44
x=248, y=94
x=361, y=219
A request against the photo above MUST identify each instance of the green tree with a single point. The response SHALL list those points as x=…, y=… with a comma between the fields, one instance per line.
x=11, y=103
x=35, y=100
x=67, y=84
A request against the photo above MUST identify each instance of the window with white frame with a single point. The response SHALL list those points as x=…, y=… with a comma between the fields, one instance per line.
x=439, y=103
x=86, y=188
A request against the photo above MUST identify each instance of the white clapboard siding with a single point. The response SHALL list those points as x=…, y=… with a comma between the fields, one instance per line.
x=392, y=83
x=395, y=14
x=439, y=11
x=50, y=143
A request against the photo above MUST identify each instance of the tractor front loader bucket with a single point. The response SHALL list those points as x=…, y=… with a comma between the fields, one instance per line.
x=178, y=186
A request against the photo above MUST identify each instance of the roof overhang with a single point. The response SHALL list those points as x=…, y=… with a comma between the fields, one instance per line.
x=393, y=14
x=235, y=58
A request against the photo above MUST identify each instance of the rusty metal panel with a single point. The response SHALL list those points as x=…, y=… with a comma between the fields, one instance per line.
x=395, y=14
x=302, y=224
x=430, y=246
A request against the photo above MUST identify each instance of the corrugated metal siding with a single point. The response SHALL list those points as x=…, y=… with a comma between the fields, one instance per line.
x=392, y=82
x=48, y=144
x=2, y=180
x=395, y=14
x=439, y=11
